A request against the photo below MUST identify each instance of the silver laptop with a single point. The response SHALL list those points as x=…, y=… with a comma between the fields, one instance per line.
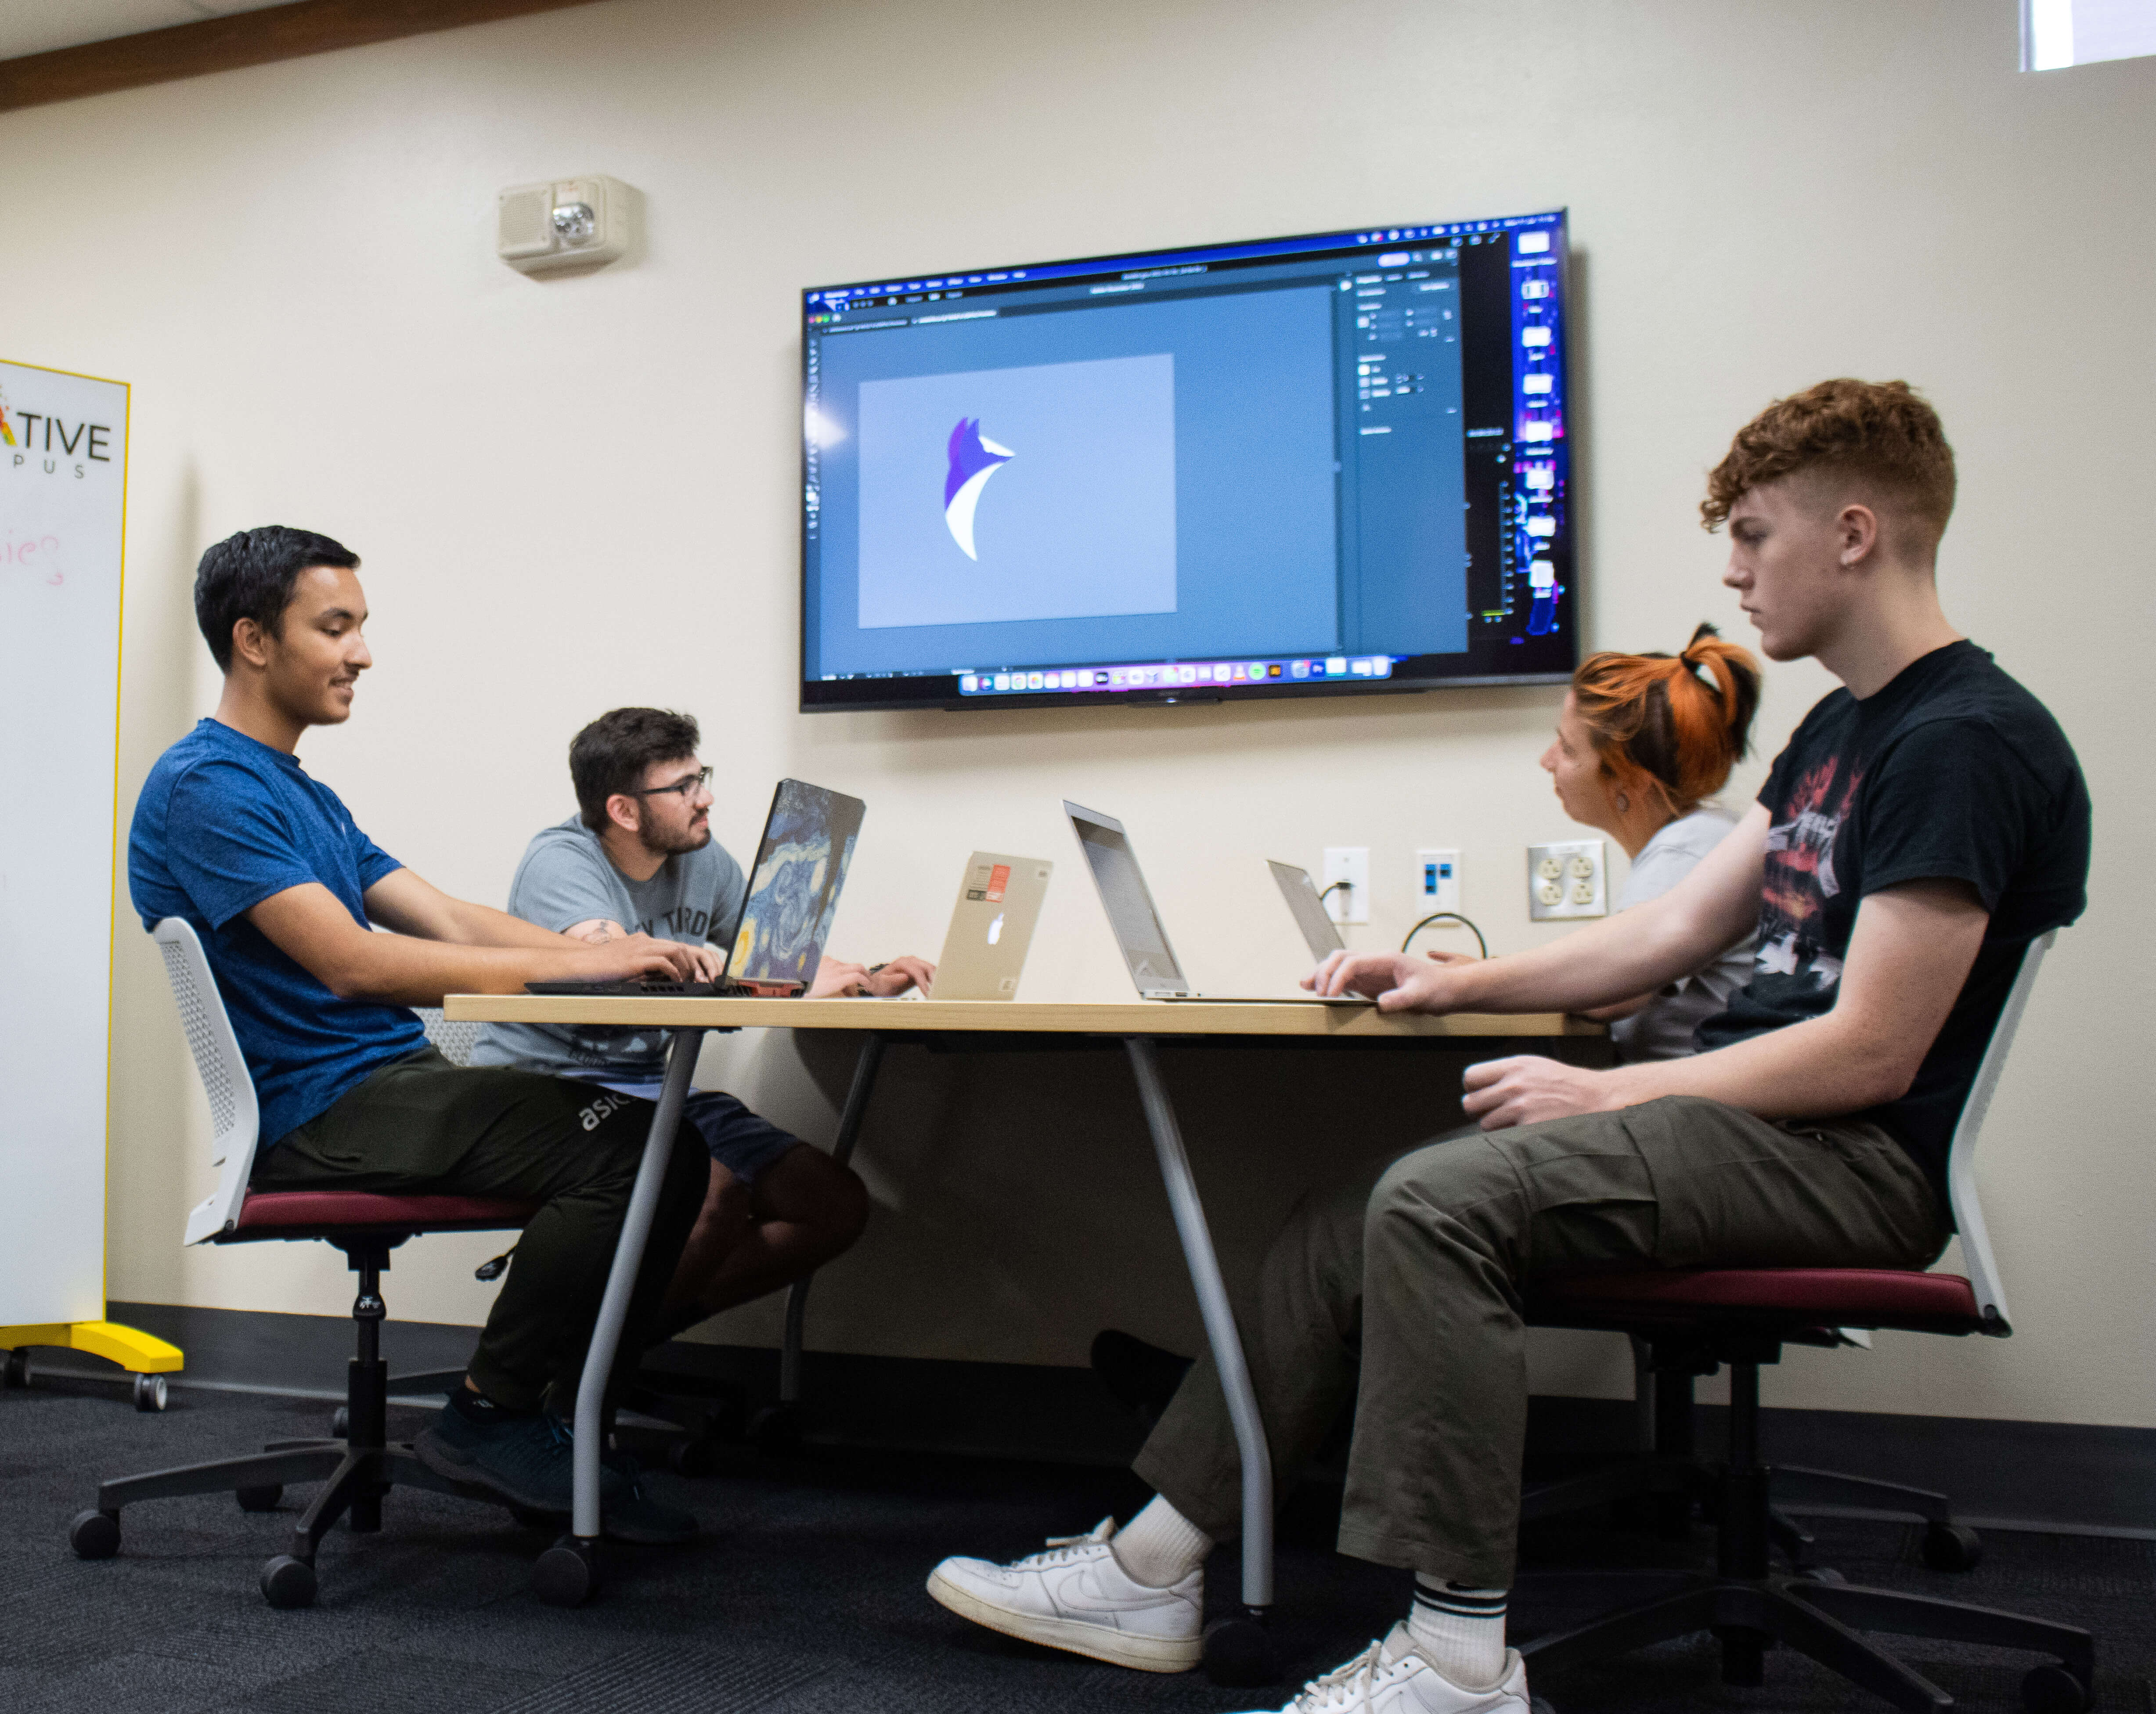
x=1307, y=905
x=991, y=926
x=1137, y=924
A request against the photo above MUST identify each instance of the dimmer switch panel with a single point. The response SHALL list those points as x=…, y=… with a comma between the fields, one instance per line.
x=1567, y=880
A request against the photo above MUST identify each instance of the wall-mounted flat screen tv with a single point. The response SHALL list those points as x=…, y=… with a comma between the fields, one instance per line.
x=1305, y=466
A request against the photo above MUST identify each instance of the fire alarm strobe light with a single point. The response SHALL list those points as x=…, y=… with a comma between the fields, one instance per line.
x=577, y=224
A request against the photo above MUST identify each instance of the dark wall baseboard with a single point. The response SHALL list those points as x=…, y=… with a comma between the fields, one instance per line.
x=292, y=30
x=2066, y=1476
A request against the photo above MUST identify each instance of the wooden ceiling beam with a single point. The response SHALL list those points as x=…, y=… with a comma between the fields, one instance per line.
x=288, y=31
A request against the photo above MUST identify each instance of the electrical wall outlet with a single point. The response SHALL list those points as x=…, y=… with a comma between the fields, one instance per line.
x=1567, y=880
x=1350, y=863
x=1436, y=880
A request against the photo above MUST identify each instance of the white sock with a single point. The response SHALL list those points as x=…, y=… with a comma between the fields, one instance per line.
x=1459, y=1630
x=1160, y=1547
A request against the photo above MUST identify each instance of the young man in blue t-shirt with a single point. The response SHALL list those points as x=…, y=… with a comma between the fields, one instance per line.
x=265, y=863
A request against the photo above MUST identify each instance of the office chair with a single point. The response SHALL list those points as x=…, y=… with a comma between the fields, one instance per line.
x=358, y=1464
x=1694, y=1319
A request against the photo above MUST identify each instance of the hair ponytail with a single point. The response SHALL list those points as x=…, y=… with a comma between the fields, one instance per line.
x=1670, y=727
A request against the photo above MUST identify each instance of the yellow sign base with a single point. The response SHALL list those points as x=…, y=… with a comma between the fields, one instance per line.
x=139, y=1353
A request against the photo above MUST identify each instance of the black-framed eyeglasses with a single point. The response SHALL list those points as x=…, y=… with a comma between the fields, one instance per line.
x=684, y=786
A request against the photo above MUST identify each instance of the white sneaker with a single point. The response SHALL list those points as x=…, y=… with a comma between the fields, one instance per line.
x=1076, y=1596
x=1392, y=1678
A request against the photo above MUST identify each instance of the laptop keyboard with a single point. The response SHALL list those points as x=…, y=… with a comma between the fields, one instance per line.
x=631, y=990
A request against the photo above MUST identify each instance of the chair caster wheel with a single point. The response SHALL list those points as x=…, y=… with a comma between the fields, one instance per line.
x=692, y=1458
x=95, y=1535
x=264, y=1498
x=340, y=1422
x=2055, y=1690
x=567, y=1573
x=1952, y=1547
x=1239, y=1652
x=288, y=1582
x=151, y=1393
x=776, y=1428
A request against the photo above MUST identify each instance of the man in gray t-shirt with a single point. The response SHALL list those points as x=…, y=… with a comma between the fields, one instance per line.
x=639, y=858
x=566, y=881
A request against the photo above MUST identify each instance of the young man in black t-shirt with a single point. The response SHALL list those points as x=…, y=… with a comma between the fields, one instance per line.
x=1925, y=822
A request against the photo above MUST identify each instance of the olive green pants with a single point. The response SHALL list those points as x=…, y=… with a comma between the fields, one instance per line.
x=1418, y=1281
x=422, y=1125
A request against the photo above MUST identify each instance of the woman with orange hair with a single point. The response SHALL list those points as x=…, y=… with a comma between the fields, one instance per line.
x=1642, y=742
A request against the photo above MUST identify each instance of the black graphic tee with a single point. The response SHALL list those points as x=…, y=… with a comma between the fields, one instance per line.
x=1951, y=771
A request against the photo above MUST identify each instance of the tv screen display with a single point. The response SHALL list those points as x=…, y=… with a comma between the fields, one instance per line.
x=1314, y=466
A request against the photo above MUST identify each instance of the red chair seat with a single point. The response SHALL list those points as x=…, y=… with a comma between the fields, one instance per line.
x=306, y=1213
x=1849, y=1297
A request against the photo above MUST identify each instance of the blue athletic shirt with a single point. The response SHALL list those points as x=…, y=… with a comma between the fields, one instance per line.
x=224, y=822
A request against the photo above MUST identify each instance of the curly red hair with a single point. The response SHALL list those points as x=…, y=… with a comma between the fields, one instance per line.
x=1882, y=433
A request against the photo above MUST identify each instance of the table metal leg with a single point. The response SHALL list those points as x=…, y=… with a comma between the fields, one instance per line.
x=621, y=1281
x=842, y=1148
x=1220, y=1334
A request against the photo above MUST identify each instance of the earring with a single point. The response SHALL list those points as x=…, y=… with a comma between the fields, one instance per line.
x=1624, y=805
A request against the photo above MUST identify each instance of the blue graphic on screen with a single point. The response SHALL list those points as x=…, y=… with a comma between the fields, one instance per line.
x=800, y=868
x=973, y=461
x=1082, y=526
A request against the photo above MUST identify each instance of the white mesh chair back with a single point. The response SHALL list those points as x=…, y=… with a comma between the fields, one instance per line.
x=1961, y=1158
x=453, y=1038
x=235, y=1120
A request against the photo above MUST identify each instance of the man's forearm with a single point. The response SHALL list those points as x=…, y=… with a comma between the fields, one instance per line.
x=482, y=926
x=1607, y=963
x=399, y=970
x=1814, y=1069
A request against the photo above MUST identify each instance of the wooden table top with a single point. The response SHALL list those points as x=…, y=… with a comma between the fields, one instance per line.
x=1285, y=1017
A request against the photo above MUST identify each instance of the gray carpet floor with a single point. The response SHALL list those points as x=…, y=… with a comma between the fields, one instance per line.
x=803, y=1596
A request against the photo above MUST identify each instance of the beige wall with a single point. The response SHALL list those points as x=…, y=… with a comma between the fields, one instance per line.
x=581, y=492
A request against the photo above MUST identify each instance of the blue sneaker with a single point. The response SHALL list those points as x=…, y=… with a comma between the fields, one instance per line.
x=529, y=1460
x=524, y=1458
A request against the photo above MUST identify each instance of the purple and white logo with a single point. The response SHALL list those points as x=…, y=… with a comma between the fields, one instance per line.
x=973, y=461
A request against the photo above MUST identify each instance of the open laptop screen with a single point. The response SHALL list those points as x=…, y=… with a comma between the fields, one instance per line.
x=793, y=890
x=1129, y=905
x=1308, y=906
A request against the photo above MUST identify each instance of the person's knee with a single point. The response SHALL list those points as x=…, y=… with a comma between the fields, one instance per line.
x=728, y=1204
x=1322, y=1234
x=808, y=1189
x=1452, y=1177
